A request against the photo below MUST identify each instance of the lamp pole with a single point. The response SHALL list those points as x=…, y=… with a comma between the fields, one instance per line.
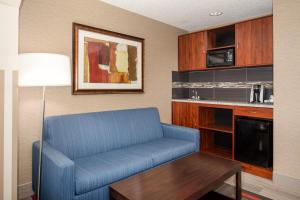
x=41, y=146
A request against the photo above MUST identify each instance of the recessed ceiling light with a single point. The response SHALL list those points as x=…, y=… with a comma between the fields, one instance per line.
x=217, y=13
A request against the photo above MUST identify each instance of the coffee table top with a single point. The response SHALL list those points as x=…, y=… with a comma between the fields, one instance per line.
x=188, y=178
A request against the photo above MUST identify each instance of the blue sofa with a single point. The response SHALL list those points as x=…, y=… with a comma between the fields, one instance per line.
x=84, y=153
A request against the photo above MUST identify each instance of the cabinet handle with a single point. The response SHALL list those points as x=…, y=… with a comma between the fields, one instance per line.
x=253, y=112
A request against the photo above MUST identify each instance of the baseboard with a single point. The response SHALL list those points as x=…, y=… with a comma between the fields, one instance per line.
x=25, y=190
x=286, y=183
x=280, y=183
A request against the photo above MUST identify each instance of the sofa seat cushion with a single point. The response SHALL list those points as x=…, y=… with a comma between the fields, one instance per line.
x=105, y=168
x=99, y=170
x=163, y=150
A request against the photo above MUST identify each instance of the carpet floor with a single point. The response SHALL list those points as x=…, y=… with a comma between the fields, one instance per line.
x=227, y=191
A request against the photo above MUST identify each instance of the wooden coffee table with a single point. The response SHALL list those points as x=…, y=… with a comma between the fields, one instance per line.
x=191, y=177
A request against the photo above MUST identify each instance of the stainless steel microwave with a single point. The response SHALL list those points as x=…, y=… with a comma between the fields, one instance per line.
x=220, y=58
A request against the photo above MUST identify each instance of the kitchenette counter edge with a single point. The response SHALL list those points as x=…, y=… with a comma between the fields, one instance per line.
x=227, y=103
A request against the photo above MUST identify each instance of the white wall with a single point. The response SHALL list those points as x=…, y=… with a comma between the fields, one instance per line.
x=9, y=17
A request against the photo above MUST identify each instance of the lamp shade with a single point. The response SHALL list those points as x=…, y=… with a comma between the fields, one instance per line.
x=44, y=69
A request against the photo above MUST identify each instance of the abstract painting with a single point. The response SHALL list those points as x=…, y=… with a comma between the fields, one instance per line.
x=106, y=61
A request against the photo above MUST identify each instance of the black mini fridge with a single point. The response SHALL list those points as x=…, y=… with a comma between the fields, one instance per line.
x=254, y=141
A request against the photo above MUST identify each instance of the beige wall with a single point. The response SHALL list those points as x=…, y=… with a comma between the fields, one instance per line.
x=46, y=26
x=286, y=87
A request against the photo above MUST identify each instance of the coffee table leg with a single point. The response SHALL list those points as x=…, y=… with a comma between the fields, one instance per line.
x=238, y=190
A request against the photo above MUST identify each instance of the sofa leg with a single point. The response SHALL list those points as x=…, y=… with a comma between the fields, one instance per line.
x=34, y=197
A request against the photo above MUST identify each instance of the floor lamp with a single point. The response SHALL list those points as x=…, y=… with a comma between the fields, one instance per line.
x=41, y=70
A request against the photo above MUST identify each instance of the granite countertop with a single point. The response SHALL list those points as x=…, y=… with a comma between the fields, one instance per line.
x=230, y=103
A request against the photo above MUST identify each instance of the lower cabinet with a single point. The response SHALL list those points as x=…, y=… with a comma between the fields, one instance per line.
x=217, y=128
x=185, y=114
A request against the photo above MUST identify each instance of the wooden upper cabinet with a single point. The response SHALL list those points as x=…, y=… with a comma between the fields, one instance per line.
x=192, y=51
x=254, y=42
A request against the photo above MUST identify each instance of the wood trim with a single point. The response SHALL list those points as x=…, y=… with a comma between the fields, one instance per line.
x=227, y=67
x=215, y=127
x=216, y=106
x=259, y=171
x=219, y=48
x=75, y=90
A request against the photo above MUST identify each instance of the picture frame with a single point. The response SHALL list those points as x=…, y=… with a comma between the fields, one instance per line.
x=106, y=62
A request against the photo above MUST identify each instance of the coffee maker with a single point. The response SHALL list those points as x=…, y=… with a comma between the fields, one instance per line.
x=257, y=94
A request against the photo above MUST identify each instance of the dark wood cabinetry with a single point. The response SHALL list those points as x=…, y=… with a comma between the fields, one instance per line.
x=264, y=113
x=192, y=51
x=185, y=114
x=216, y=123
x=216, y=129
x=220, y=38
x=254, y=42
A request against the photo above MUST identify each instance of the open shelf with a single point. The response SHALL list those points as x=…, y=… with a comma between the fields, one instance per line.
x=216, y=119
x=221, y=37
x=216, y=143
x=217, y=127
x=223, y=47
x=219, y=151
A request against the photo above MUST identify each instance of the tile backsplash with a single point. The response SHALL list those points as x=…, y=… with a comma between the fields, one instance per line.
x=223, y=85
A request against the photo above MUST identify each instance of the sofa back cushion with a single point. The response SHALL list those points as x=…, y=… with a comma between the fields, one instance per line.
x=86, y=134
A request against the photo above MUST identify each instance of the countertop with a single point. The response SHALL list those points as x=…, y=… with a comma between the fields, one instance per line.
x=229, y=103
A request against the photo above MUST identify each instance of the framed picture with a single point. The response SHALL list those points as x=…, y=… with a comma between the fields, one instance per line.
x=106, y=61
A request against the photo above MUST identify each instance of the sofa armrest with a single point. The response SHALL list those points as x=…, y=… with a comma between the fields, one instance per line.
x=183, y=133
x=58, y=173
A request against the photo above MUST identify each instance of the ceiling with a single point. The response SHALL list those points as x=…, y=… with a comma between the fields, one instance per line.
x=193, y=15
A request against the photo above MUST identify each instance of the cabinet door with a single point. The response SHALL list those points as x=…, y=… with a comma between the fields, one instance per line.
x=254, y=41
x=178, y=113
x=192, y=51
x=185, y=114
x=198, y=50
x=183, y=52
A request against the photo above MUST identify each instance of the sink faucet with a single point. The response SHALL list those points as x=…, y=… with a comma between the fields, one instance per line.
x=195, y=94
